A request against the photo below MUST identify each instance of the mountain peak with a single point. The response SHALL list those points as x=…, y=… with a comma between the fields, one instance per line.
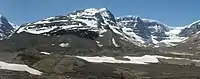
x=6, y=28
x=92, y=11
x=3, y=19
x=1, y=16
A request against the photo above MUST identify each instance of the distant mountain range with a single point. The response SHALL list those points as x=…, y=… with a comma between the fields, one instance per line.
x=156, y=32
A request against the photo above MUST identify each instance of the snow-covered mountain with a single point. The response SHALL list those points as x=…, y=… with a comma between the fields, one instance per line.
x=96, y=27
x=91, y=19
x=6, y=29
x=149, y=31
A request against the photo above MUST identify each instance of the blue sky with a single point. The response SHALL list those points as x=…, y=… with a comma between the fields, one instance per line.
x=170, y=12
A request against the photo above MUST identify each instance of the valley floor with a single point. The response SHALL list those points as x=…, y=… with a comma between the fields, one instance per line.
x=173, y=66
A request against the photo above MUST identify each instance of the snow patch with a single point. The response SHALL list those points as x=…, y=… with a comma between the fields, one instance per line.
x=100, y=35
x=98, y=43
x=46, y=53
x=176, y=53
x=102, y=31
x=114, y=42
x=36, y=30
x=133, y=60
x=64, y=45
x=49, y=18
x=153, y=39
x=42, y=22
x=146, y=59
x=19, y=67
